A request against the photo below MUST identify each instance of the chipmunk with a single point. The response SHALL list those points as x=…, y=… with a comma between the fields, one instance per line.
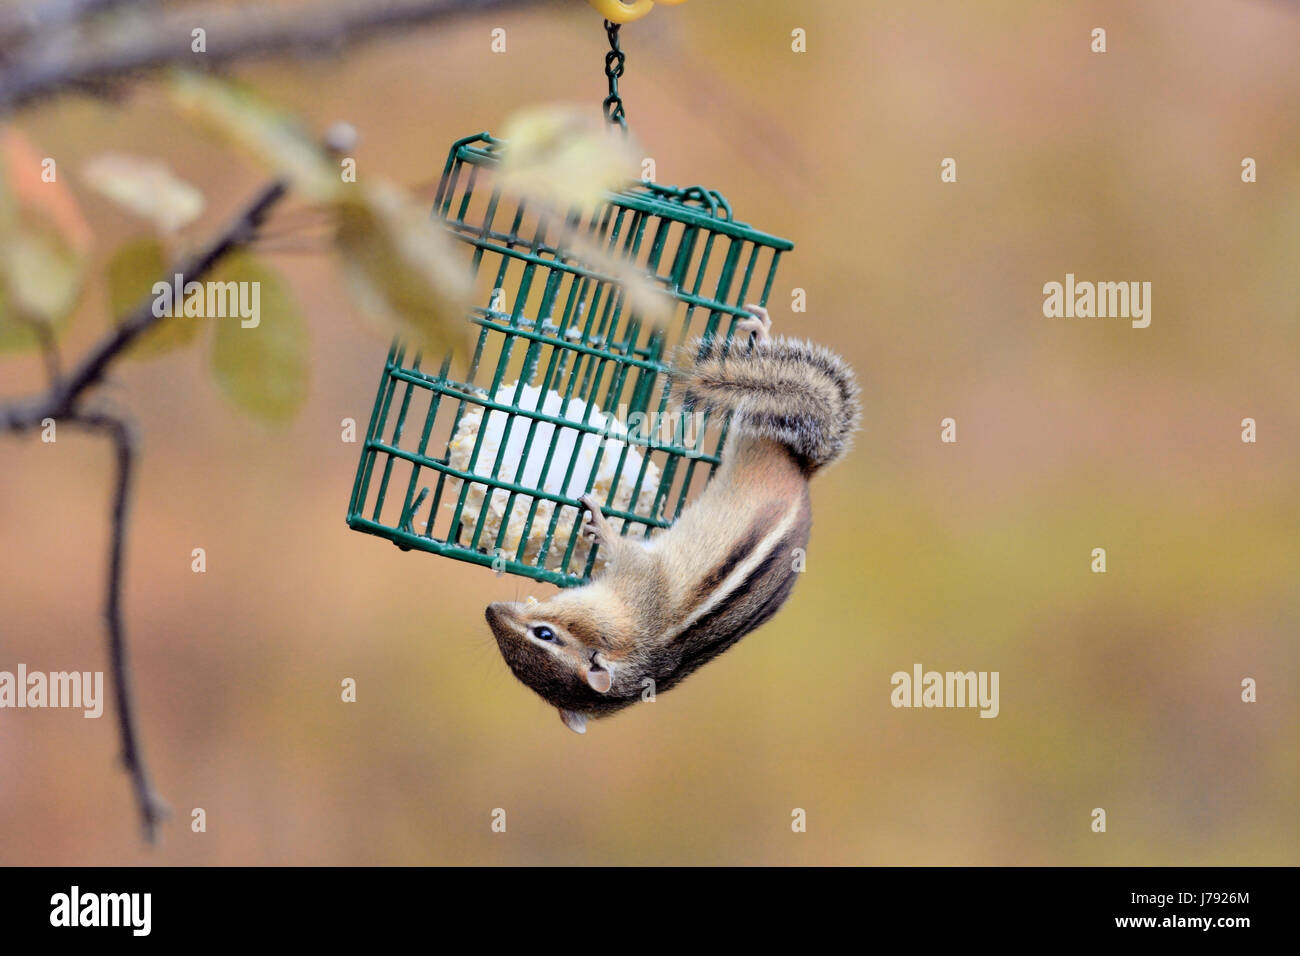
x=664, y=606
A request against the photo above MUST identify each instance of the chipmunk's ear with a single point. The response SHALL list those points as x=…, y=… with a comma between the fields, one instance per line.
x=598, y=673
x=574, y=721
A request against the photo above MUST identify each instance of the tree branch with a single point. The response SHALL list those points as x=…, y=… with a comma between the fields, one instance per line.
x=61, y=400
x=152, y=808
x=75, y=57
x=51, y=45
x=22, y=20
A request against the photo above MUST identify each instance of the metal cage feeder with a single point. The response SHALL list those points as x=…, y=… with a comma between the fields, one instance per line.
x=489, y=469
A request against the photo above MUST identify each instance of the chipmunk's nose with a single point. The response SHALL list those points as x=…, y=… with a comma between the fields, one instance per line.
x=497, y=613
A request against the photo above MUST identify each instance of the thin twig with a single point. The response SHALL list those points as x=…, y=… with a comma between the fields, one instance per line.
x=151, y=806
x=288, y=249
x=297, y=221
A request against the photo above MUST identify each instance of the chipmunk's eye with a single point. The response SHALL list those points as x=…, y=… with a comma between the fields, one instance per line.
x=544, y=634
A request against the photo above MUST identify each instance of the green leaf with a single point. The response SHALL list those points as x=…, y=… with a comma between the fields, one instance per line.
x=15, y=335
x=132, y=273
x=40, y=281
x=262, y=369
x=402, y=268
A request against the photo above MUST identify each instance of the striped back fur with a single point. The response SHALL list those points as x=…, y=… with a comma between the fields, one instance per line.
x=745, y=589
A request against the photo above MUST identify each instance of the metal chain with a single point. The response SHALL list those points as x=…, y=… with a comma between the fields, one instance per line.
x=614, y=59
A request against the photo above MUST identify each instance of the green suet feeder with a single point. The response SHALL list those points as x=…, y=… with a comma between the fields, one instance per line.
x=566, y=391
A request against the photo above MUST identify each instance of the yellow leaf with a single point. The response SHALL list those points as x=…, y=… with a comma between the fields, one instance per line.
x=569, y=158
x=40, y=274
x=146, y=188
x=274, y=138
x=402, y=267
x=263, y=369
x=132, y=273
x=563, y=155
x=640, y=293
x=43, y=240
x=52, y=202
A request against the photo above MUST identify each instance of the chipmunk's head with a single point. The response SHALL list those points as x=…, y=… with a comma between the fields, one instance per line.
x=558, y=648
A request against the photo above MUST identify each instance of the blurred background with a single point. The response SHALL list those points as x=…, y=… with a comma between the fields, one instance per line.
x=1118, y=690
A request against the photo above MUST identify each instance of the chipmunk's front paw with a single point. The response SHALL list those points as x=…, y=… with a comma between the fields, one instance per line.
x=759, y=322
x=594, y=523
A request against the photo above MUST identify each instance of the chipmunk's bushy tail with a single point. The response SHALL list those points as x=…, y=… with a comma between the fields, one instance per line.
x=797, y=393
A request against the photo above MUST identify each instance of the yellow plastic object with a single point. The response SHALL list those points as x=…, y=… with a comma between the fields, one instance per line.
x=616, y=11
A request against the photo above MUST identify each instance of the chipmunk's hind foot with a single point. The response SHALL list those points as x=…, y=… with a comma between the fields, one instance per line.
x=759, y=323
